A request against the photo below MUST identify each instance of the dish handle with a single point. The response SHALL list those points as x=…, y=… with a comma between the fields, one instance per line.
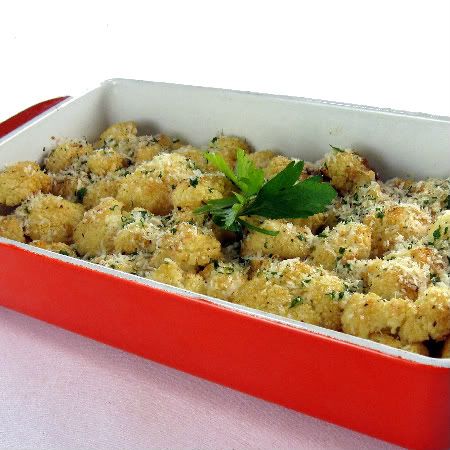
x=27, y=114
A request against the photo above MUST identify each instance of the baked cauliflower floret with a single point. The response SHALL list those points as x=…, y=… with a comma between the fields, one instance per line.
x=263, y=294
x=315, y=221
x=227, y=147
x=365, y=314
x=439, y=233
x=424, y=256
x=398, y=277
x=20, y=181
x=147, y=153
x=93, y=193
x=125, y=263
x=170, y=273
x=197, y=156
x=431, y=194
x=57, y=247
x=275, y=166
x=316, y=295
x=197, y=191
x=118, y=132
x=64, y=155
x=347, y=170
x=395, y=342
x=69, y=187
x=104, y=161
x=396, y=224
x=290, y=242
x=141, y=189
x=50, y=218
x=223, y=279
x=171, y=168
x=11, y=228
x=139, y=233
x=187, y=245
x=94, y=235
x=345, y=242
x=429, y=317
x=262, y=158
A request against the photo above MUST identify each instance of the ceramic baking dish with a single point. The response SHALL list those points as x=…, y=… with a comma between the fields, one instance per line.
x=384, y=392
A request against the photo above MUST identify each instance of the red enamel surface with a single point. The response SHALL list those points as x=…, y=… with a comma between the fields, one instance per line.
x=24, y=116
x=392, y=399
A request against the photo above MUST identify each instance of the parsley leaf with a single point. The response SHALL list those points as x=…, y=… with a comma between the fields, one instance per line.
x=80, y=193
x=282, y=197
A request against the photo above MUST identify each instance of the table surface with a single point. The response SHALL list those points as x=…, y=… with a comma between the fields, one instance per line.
x=60, y=390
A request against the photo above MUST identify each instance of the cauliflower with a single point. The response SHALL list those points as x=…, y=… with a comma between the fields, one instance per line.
x=365, y=314
x=125, y=263
x=140, y=189
x=224, y=279
x=139, y=233
x=396, y=224
x=170, y=273
x=187, y=245
x=22, y=180
x=170, y=168
x=391, y=341
x=345, y=242
x=11, y=228
x=275, y=166
x=399, y=277
x=50, y=218
x=68, y=187
x=426, y=257
x=118, y=132
x=227, y=147
x=64, y=155
x=197, y=191
x=147, y=153
x=316, y=295
x=439, y=233
x=347, y=170
x=314, y=222
x=104, y=161
x=197, y=156
x=106, y=187
x=57, y=247
x=262, y=159
x=262, y=294
x=428, y=317
x=94, y=235
x=290, y=242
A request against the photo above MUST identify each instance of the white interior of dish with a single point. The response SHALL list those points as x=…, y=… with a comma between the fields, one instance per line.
x=395, y=143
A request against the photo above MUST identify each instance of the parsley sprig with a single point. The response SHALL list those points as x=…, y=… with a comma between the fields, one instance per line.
x=282, y=197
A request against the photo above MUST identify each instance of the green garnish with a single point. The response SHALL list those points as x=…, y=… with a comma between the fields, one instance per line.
x=296, y=301
x=80, y=193
x=448, y=201
x=437, y=233
x=63, y=252
x=193, y=181
x=282, y=197
x=337, y=149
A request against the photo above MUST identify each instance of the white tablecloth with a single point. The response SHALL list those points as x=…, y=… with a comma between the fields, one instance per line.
x=60, y=390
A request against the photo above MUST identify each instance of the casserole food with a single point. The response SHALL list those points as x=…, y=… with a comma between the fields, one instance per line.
x=151, y=206
x=293, y=111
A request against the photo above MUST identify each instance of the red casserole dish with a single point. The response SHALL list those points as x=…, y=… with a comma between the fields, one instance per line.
x=386, y=393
